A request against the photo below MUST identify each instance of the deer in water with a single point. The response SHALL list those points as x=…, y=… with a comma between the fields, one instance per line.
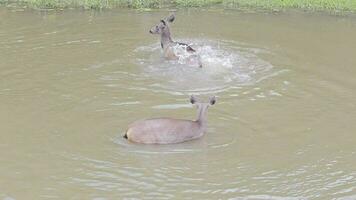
x=167, y=130
x=169, y=46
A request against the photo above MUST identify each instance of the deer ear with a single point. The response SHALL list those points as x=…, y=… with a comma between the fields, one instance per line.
x=212, y=100
x=193, y=99
x=171, y=18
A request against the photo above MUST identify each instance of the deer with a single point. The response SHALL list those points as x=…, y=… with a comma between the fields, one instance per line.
x=169, y=130
x=168, y=45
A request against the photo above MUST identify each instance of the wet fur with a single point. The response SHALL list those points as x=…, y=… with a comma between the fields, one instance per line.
x=167, y=44
x=168, y=130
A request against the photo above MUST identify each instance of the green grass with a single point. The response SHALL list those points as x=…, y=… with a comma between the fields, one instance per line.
x=196, y=3
x=342, y=5
x=333, y=5
x=86, y=4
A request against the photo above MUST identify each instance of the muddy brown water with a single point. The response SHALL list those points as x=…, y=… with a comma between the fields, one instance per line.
x=283, y=126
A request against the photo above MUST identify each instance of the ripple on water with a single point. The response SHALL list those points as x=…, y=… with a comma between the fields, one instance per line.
x=159, y=149
x=226, y=65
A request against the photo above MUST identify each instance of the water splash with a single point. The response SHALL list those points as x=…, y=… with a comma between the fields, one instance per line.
x=226, y=65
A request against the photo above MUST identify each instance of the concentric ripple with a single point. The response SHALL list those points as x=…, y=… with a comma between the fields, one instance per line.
x=226, y=65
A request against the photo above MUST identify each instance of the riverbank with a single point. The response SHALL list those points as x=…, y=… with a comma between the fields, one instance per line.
x=319, y=5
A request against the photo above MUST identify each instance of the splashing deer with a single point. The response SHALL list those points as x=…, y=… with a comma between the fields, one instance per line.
x=168, y=130
x=169, y=46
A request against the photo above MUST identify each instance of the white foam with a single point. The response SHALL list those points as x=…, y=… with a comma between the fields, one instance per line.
x=225, y=66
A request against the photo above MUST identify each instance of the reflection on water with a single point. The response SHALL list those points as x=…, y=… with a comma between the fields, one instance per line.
x=282, y=128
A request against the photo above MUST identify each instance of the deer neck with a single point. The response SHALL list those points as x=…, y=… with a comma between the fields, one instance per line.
x=202, y=117
x=166, y=39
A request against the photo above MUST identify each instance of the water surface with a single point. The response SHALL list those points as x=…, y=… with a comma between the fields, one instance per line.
x=283, y=126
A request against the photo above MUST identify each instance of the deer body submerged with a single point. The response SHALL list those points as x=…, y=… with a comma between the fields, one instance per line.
x=168, y=130
x=163, y=131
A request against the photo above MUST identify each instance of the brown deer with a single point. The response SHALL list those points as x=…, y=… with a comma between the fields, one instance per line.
x=167, y=130
x=168, y=45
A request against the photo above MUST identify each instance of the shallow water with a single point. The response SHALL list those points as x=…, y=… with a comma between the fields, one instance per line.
x=283, y=126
